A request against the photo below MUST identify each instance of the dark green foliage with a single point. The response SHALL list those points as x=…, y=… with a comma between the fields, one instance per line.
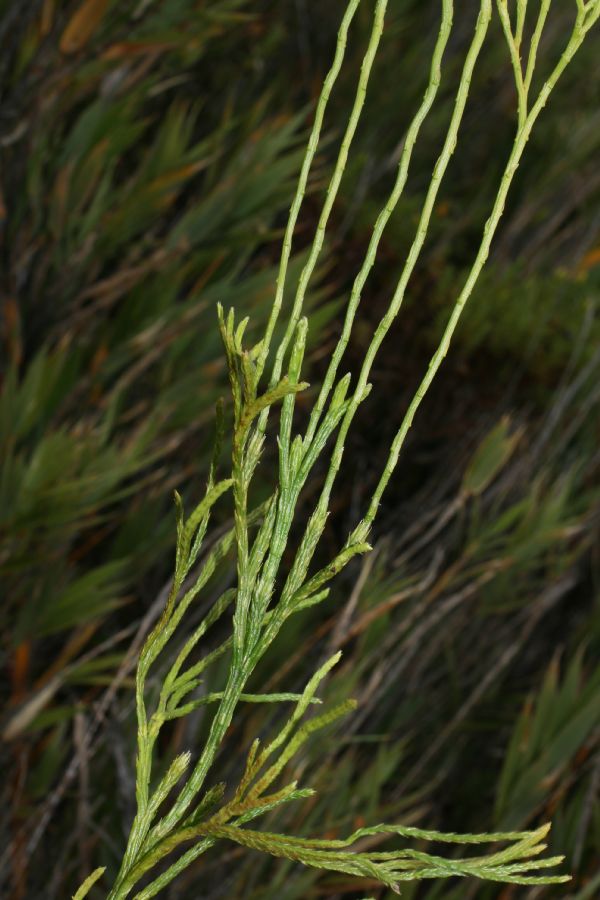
x=145, y=170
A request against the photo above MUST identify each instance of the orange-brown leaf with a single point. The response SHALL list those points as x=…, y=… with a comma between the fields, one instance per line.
x=127, y=49
x=590, y=260
x=20, y=669
x=82, y=25
x=47, y=17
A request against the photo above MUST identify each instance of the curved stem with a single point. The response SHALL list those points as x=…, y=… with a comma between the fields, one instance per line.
x=311, y=149
x=490, y=228
x=332, y=191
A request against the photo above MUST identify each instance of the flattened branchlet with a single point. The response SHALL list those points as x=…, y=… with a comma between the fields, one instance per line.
x=178, y=816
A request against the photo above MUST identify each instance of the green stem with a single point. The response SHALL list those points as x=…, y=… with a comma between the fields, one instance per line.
x=439, y=171
x=332, y=192
x=490, y=228
x=383, y=218
x=311, y=149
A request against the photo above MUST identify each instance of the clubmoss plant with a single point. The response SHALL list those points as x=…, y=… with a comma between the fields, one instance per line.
x=178, y=818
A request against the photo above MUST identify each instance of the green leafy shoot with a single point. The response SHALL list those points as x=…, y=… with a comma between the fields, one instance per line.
x=178, y=812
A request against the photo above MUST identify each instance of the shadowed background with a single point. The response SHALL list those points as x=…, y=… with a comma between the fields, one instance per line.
x=148, y=154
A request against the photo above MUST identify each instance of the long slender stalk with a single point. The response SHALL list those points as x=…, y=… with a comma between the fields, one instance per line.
x=334, y=184
x=439, y=171
x=311, y=149
x=435, y=76
x=522, y=136
x=263, y=598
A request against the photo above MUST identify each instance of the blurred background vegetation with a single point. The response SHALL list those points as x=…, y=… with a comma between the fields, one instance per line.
x=148, y=152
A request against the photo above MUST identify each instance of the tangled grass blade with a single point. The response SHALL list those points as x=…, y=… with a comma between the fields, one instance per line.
x=264, y=597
